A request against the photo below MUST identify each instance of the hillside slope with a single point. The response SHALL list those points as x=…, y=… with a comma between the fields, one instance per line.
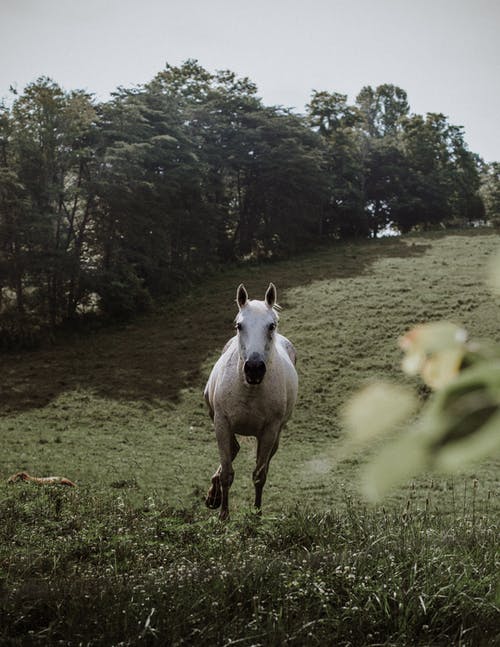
x=123, y=408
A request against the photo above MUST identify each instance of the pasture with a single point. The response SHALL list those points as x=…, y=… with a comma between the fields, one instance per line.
x=132, y=556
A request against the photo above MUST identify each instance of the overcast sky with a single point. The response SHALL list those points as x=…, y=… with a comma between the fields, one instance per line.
x=444, y=53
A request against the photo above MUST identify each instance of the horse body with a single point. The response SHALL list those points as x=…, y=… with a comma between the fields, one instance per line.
x=251, y=391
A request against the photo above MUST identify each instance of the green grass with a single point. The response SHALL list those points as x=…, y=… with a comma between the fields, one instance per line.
x=120, y=412
x=80, y=569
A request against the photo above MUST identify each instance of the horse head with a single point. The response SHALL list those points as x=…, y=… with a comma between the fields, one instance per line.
x=256, y=323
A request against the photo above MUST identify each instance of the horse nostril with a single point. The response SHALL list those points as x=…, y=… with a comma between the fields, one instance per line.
x=252, y=366
x=254, y=370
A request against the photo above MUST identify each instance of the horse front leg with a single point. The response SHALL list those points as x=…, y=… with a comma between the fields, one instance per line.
x=214, y=495
x=218, y=494
x=267, y=445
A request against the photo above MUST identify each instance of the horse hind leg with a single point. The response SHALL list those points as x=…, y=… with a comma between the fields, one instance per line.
x=214, y=495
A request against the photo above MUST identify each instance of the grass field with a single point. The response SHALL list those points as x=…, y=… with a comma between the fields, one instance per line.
x=132, y=556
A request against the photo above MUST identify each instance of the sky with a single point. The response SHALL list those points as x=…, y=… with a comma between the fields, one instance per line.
x=444, y=53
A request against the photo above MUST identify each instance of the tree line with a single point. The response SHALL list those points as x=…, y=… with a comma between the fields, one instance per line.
x=108, y=206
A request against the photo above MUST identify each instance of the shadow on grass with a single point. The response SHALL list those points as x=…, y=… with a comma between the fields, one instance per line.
x=158, y=356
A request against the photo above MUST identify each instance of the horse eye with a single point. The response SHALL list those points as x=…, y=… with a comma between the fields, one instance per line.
x=272, y=327
x=239, y=326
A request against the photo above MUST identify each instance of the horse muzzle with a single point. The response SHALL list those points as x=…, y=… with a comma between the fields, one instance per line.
x=254, y=369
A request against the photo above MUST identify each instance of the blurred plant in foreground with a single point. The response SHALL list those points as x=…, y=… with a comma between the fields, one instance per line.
x=460, y=422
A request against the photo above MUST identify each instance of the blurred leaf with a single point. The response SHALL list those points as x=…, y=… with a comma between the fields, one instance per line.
x=394, y=464
x=433, y=337
x=459, y=425
x=464, y=409
x=376, y=410
x=481, y=444
x=480, y=351
x=442, y=367
x=434, y=350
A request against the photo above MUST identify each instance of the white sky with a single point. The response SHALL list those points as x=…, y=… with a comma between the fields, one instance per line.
x=444, y=53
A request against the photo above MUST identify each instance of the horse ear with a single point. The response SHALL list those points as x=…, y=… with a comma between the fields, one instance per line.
x=271, y=295
x=241, y=295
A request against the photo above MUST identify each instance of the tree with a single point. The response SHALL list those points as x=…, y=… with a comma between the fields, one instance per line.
x=490, y=191
x=386, y=174
x=260, y=165
x=121, y=203
x=46, y=197
x=343, y=150
x=150, y=222
x=442, y=178
x=13, y=227
x=383, y=109
x=284, y=183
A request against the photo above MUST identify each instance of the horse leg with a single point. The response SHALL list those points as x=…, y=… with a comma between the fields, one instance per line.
x=266, y=448
x=228, y=448
x=214, y=496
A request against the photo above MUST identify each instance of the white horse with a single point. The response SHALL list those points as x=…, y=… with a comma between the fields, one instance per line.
x=251, y=391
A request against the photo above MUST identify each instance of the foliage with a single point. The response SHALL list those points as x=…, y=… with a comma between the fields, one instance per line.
x=383, y=109
x=490, y=192
x=336, y=122
x=441, y=176
x=107, y=207
x=458, y=425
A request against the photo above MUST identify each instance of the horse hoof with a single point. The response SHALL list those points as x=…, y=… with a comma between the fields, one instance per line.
x=212, y=502
x=224, y=515
x=214, y=496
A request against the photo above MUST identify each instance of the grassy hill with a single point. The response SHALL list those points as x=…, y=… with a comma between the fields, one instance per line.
x=120, y=412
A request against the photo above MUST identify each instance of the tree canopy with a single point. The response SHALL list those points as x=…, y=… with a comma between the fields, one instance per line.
x=107, y=206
